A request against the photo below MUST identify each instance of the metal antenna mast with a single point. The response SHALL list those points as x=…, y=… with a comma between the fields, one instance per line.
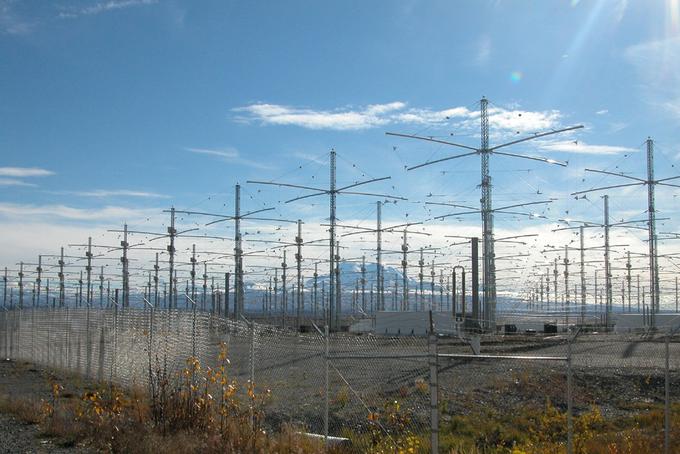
x=88, y=268
x=607, y=266
x=333, y=191
x=378, y=258
x=239, y=293
x=363, y=283
x=284, y=293
x=404, y=276
x=172, y=232
x=489, y=277
x=651, y=183
x=298, y=260
x=192, y=273
x=124, y=260
x=237, y=217
x=488, y=255
x=583, y=275
x=38, y=280
x=4, y=289
x=629, y=278
x=62, y=290
x=21, y=285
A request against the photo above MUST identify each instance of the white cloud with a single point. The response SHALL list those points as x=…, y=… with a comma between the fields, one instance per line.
x=20, y=172
x=115, y=193
x=339, y=119
x=10, y=22
x=522, y=120
x=580, y=147
x=64, y=212
x=309, y=157
x=661, y=87
x=483, y=51
x=103, y=7
x=13, y=182
x=376, y=115
x=602, y=112
x=230, y=154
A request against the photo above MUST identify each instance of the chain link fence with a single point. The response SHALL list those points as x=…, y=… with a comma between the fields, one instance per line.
x=383, y=394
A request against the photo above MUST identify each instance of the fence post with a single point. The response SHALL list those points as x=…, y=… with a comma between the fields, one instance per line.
x=667, y=401
x=326, y=394
x=570, y=422
x=434, y=394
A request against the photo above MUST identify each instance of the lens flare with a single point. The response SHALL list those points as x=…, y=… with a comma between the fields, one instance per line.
x=515, y=77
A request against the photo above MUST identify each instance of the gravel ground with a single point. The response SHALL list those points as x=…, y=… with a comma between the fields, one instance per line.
x=19, y=437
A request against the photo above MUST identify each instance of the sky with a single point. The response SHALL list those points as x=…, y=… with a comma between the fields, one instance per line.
x=114, y=110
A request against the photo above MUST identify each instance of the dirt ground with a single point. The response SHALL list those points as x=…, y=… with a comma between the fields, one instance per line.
x=23, y=380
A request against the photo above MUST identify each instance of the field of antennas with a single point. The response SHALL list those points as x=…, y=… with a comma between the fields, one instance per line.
x=492, y=317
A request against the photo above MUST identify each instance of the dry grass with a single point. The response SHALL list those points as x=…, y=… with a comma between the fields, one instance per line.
x=26, y=411
x=198, y=410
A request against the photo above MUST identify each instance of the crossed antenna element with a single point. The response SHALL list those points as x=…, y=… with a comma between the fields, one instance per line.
x=651, y=183
x=485, y=151
x=332, y=192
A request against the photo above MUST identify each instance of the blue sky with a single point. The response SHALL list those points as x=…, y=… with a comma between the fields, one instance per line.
x=114, y=110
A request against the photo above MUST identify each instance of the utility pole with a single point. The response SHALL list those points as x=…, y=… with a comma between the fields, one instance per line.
x=4, y=289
